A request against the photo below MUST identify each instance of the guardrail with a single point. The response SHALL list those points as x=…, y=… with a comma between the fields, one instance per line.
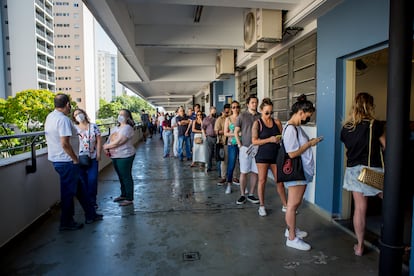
x=34, y=141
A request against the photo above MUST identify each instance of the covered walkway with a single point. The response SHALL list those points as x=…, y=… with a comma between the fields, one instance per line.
x=182, y=223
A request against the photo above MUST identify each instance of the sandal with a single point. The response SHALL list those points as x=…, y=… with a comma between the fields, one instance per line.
x=119, y=198
x=126, y=203
x=358, y=252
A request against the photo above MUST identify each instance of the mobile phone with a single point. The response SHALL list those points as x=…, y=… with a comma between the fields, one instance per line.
x=279, y=136
x=320, y=138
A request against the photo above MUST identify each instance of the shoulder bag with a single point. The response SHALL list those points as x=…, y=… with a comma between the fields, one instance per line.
x=368, y=175
x=85, y=160
x=289, y=169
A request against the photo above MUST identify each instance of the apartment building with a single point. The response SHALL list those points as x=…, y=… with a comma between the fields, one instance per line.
x=28, y=46
x=106, y=78
x=74, y=53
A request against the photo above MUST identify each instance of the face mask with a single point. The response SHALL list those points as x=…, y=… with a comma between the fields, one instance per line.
x=80, y=117
x=121, y=119
x=304, y=122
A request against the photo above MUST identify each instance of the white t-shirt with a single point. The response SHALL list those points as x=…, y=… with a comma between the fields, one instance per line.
x=161, y=119
x=57, y=125
x=174, y=124
x=127, y=149
x=291, y=143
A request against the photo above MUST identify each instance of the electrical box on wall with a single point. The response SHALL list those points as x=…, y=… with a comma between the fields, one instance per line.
x=225, y=64
x=262, y=28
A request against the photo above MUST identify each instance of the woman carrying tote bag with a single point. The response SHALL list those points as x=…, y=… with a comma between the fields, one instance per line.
x=297, y=143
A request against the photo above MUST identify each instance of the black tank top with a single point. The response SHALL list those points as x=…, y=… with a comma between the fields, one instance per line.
x=267, y=151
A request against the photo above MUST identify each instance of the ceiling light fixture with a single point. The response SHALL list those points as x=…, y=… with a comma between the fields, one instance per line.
x=197, y=14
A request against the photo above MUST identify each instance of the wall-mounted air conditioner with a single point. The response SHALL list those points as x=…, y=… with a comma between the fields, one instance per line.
x=262, y=28
x=225, y=64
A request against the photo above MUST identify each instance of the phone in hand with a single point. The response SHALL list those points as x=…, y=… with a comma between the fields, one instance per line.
x=320, y=138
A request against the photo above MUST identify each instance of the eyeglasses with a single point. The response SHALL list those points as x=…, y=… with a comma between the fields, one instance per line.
x=268, y=113
x=234, y=107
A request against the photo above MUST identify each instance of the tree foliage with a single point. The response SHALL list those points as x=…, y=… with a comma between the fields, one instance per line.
x=28, y=109
x=133, y=103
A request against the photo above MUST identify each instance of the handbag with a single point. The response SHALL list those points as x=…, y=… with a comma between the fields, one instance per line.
x=85, y=160
x=198, y=140
x=368, y=175
x=219, y=151
x=289, y=169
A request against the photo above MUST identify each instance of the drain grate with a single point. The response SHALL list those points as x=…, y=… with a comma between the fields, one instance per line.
x=191, y=256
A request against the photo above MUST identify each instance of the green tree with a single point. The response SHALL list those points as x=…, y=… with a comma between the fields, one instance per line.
x=28, y=109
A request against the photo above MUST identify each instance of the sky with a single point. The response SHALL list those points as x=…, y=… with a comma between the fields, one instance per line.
x=102, y=40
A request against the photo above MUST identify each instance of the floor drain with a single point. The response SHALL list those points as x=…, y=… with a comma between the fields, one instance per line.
x=191, y=256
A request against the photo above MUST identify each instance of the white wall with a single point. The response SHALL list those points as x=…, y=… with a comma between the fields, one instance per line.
x=24, y=198
x=375, y=81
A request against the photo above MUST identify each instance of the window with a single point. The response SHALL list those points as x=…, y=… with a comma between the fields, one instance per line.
x=293, y=73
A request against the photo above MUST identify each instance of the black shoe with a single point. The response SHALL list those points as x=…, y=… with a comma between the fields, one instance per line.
x=253, y=199
x=71, y=227
x=96, y=218
x=241, y=200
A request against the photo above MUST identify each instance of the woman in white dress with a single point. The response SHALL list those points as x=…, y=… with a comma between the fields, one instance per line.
x=199, y=146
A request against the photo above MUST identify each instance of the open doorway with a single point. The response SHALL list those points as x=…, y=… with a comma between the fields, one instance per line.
x=369, y=73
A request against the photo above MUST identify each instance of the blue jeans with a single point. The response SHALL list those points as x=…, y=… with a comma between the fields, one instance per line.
x=71, y=186
x=233, y=152
x=90, y=177
x=123, y=167
x=186, y=140
x=167, y=137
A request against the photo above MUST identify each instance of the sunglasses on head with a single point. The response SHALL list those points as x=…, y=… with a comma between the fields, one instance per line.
x=236, y=106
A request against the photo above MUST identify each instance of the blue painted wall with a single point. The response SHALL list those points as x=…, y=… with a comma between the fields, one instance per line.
x=353, y=26
x=223, y=87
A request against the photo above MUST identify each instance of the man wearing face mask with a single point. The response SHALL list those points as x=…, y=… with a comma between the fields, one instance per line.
x=58, y=131
x=122, y=151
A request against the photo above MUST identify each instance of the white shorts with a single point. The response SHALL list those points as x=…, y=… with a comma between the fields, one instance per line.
x=247, y=163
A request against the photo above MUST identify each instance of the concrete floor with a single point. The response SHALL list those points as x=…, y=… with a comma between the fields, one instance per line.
x=182, y=223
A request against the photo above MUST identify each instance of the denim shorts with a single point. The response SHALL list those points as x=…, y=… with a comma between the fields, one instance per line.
x=299, y=182
x=352, y=184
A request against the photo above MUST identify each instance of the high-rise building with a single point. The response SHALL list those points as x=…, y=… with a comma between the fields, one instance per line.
x=106, y=80
x=27, y=34
x=74, y=52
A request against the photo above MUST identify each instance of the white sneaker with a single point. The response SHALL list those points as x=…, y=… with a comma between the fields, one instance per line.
x=228, y=190
x=262, y=211
x=284, y=209
x=299, y=233
x=298, y=244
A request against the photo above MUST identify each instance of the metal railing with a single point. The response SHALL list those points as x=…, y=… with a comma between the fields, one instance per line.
x=34, y=135
x=36, y=143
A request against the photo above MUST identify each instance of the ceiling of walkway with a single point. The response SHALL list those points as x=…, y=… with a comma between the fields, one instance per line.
x=173, y=57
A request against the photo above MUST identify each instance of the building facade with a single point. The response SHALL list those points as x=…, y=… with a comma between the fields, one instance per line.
x=74, y=29
x=28, y=45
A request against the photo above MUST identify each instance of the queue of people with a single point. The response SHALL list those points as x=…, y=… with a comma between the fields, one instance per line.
x=250, y=141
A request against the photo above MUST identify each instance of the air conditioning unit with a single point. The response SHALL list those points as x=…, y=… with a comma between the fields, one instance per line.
x=225, y=64
x=262, y=28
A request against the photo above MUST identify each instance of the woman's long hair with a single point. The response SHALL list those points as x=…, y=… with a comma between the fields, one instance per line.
x=363, y=108
x=129, y=119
